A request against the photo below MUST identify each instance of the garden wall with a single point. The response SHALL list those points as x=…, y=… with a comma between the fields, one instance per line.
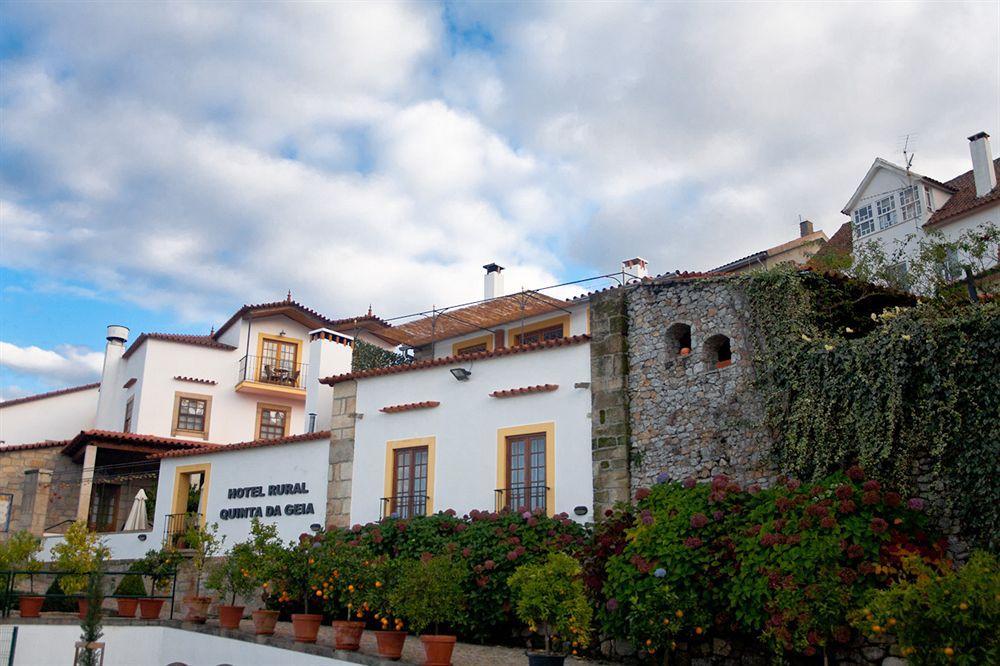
x=45, y=486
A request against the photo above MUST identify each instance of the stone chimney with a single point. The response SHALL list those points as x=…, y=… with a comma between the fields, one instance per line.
x=805, y=228
x=635, y=268
x=493, y=282
x=111, y=384
x=982, y=163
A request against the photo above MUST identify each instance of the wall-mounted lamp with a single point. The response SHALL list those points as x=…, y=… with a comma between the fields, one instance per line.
x=580, y=510
x=142, y=537
x=461, y=374
x=315, y=527
x=282, y=333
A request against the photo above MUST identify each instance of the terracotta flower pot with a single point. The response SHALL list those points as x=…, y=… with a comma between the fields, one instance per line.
x=82, y=604
x=347, y=635
x=305, y=627
x=685, y=351
x=149, y=609
x=390, y=644
x=197, y=609
x=127, y=607
x=437, y=650
x=724, y=364
x=264, y=622
x=230, y=616
x=30, y=606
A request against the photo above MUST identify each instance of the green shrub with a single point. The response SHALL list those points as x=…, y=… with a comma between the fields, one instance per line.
x=20, y=553
x=551, y=600
x=206, y=543
x=80, y=552
x=160, y=566
x=55, y=602
x=938, y=614
x=230, y=575
x=131, y=585
x=429, y=592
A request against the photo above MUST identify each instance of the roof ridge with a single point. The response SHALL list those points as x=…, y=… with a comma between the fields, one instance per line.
x=49, y=394
x=239, y=446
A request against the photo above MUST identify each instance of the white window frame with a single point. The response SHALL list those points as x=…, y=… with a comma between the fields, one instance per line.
x=886, y=212
x=864, y=221
x=909, y=203
x=930, y=198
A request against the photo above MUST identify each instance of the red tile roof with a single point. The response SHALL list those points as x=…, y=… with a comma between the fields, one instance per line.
x=964, y=200
x=510, y=393
x=184, y=339
x=841, y=244
x=256, y=444
x=310, y=316
x=85, y=437
x=50, y=394
x=476, y=317
x=426, y=404
x=462, y=358
x=34, y=445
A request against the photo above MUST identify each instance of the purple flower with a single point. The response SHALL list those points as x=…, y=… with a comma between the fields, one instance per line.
x=526, y=515
x=660, y=573
x=646, y=517
x=699, y=520
x=662, y=477
x=611, y=604
x=916, y=504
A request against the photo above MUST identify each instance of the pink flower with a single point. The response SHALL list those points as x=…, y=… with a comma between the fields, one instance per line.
x=916, y=504
x=489, y=564
x=689, y=483
x=855, y=551
x=692, y=542
x=512, y=527
x=870, y=498
x=512, y=555
x=642, y=494
x=844, y=492
x=646, y=517
x=466, y=552
x=793, y=484
x=855, y=473
x=879, y=525
x=828, y=523
x=611, y=604
x=847, y=506
x=892, y=499
x=699, y=520
x=717, y=515
x=871, y=485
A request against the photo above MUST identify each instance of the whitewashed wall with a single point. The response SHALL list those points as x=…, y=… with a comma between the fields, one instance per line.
x=123, y=545
x=465, y=426
x=57, y=417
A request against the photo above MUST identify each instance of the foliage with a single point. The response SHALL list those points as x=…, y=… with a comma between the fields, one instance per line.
x=293, y=571
x=265, y=556
x=131, y=585
x=551, y=600
x=386, y=578
x=342, y=578
x=160, y=566
x=786, y=564
x=231, y=577
x=429, y=592
x=91, y=623
x=847, y=376
x=81, y=552
x=367, y=356
x=938, y=614
x=55, y=601
x=20, y=553
x=205, y=543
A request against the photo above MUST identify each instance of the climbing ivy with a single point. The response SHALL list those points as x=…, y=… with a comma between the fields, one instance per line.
x=368, y=357
x=854, y=373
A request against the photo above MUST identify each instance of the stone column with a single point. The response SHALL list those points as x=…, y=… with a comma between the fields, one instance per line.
x=35, y=503
x=342, y=425
x=86, y=482
x=609, y=400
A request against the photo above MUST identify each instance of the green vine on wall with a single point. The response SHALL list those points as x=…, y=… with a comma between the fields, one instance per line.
x=368, y=357
x=851, y=372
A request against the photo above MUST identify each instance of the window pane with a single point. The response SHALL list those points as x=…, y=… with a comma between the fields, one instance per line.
x=191, y=415
x=409, y=496
x=272, y=423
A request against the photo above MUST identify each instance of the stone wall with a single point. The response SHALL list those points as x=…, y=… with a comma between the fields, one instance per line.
x=58, y=481
x=338, y=498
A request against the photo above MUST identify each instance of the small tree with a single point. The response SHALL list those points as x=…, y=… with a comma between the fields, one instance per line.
x=343, y=578
x=385, y=575
x=20, y=553
x=265, y=556
x=206, y=543
x=131, y=584
x=160, y=566
x=81, y=553
x=429, y=592
x=293, y=571
x=91, y=624
x=551, y=600
x=231, y=576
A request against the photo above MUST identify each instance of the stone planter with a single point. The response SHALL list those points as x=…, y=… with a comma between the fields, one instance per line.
x=390, y=644
x=30, y=606
x=437, y=650
x=230, y=616
x=264, y=622
x=347, y=635
x=149, y=609
x=127, y=607
x=305, y=627
x=197, y=609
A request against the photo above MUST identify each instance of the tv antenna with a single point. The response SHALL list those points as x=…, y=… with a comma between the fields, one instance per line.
x=907, y=156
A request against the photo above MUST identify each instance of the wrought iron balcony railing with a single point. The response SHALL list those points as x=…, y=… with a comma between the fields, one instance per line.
x=403, y=506
x=265, y=370
x=522, y=498
x=177, y=525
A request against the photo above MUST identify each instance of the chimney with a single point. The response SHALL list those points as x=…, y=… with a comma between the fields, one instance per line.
x=110, y=392
x=636, y=268
x=805, y=228
x=982, y=163
x=330, y=353
x=493, y=282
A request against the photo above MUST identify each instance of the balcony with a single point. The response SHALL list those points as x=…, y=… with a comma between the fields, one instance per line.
x=176, y=526
x=403, y=506
x=269, y=376
x=521, y=498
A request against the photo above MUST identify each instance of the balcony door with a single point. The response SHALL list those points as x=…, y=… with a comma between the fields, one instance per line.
x=409, y=487
x=526, y=473
x=277, y=360
x=104, y=507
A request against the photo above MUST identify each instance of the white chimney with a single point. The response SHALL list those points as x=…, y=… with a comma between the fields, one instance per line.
x=493, y=282
x=982, y=163
x=110, y=392
x=636, y=268
x=330, y=353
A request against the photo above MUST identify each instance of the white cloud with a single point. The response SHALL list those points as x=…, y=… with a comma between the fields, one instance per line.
x=66, y=364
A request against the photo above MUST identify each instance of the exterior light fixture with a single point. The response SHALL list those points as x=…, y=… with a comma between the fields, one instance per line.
x=141, y=537
x=580, y=510
x=461, y=374
x=315, y=527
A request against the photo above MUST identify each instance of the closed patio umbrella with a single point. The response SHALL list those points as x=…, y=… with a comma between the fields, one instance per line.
x=136, y=521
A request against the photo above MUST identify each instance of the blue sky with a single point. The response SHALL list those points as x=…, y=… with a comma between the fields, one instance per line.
x=162, y=164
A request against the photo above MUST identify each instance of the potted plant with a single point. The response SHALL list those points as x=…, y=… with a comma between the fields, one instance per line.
x=230, y=577
x=160, y=566
x=391, y=637
x=342, y=578
x=204, y=542
x=20, y=553
x=428, y=593
x=128, y=592
x=79, y=554
x=265, y=556
x=293, y=575
x=550, y=598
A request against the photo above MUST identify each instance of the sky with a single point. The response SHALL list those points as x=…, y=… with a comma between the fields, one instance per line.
x=161, y=164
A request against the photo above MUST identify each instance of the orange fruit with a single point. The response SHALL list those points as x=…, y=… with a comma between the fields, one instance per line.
x=948, y=652
x=698, y=630
x=679, y=613
x=876, y=628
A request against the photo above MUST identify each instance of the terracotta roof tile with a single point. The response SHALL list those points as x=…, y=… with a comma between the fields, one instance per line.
x=510, y=393
x=50, y=394
x=426, y=404
x=255, y=444
x=89, y=436
x=841, y=244
x=195, y=380
x=463, y=358
x=964, y=200
x=181, y=338
x=34, y=445
x=315, y=318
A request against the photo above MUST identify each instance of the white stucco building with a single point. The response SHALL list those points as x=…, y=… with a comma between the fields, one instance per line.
x=895, y=207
